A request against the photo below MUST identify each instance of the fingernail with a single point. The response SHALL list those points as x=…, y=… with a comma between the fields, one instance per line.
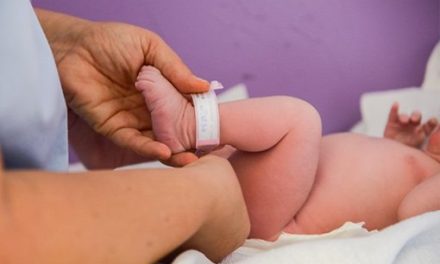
x=202, y=84
x=202, y=80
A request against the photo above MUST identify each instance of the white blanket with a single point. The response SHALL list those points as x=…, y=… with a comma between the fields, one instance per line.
x=416, y=240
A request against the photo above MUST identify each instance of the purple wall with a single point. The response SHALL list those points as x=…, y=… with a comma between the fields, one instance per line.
x=325, y=51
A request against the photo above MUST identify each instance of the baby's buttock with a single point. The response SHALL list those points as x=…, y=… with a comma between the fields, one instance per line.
x=361, y=179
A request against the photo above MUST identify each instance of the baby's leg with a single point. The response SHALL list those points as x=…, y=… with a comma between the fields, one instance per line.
x=278, y=139
x=276, y=180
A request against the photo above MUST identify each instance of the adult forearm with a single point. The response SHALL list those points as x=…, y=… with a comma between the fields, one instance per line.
x=132, y=216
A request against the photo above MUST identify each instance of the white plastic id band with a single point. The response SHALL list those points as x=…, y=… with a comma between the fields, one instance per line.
x=207, y=118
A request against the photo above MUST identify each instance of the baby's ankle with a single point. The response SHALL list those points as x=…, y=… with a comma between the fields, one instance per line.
x=189, y=127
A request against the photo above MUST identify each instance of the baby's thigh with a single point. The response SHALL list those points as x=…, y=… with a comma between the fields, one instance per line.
x=356, y=194
x=274, y=190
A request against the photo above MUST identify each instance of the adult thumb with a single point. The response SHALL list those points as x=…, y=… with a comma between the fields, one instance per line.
x=161, y=56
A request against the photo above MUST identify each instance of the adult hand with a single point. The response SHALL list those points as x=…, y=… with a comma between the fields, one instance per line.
x=98, y=64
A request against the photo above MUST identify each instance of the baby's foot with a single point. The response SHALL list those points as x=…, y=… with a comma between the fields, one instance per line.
x=433, y=146
x=172, y=115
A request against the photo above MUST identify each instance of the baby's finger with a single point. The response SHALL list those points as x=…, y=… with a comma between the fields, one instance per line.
x=433, y=121
x=430, y=125
x=416, y=118
x=394, y=113
x=403, y=119
x=420, y=132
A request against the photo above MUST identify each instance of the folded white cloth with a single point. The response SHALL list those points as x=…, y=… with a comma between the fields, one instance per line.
x=416, y=240
x=431, y=81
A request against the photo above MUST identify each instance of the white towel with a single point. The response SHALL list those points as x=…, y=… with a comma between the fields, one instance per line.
x=431, y=81
x=416, y=240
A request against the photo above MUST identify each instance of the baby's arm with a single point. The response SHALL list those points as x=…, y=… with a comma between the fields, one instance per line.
x=423, y=198
x=408, y=129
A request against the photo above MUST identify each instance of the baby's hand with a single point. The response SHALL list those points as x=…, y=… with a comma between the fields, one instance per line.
x=408, y=129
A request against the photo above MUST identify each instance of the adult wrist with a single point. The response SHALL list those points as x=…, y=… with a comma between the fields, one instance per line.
x=62, y=31
x=227, y=216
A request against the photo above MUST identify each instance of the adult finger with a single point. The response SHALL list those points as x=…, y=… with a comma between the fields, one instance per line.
x=143, y=145
x=161, y=56
x=180, y=159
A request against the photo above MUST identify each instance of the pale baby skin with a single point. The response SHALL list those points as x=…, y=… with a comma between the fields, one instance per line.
x=293, y=179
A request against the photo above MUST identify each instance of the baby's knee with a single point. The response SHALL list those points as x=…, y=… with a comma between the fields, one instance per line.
x=302, y=113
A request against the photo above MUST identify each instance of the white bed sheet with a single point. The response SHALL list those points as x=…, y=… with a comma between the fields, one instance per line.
x=416, y=240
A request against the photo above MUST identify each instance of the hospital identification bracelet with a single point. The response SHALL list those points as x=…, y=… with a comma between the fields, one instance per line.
x=207, y=119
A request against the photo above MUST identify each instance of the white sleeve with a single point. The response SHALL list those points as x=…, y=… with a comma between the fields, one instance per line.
x=33, y=115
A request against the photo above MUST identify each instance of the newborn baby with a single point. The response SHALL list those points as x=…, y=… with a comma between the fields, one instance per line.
x=296, y=181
